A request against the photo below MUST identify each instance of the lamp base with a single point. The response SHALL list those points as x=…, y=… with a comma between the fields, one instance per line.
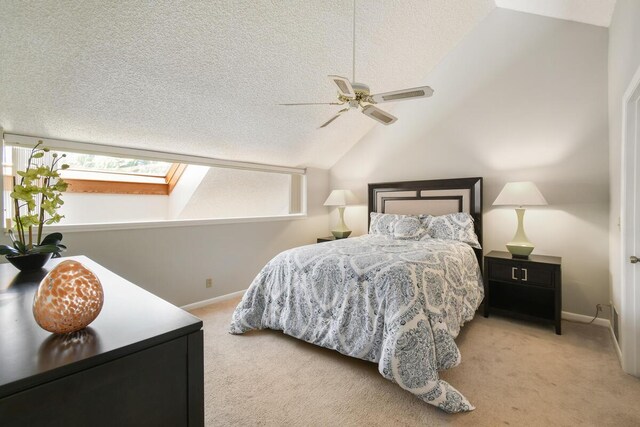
x=520, y=250
x=341, y=230
x=341, y=234
x=520, y=246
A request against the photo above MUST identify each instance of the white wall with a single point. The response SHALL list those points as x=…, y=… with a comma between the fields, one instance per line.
x=522, y=97
x=624, y=60
x=174, y=262
x=228, y=193
x=184, y=189
x=87, y=208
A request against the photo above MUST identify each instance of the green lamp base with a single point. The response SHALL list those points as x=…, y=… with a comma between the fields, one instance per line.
x=341, y=234
x=519, y=250
x=520, y=246
x=341, y=231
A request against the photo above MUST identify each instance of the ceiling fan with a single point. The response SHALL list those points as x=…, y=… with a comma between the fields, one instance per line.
x=358, y=96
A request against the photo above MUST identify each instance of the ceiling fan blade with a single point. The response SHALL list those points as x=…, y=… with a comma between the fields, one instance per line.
x=315, y=103
x=401, y=95
x=344, y=86
x=334, y=117
x=377, y=114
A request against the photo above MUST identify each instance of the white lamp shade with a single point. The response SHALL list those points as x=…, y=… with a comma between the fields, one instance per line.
x=520, y=194
x=340, y=198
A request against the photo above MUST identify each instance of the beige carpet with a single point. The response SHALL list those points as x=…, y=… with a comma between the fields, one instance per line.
x=515, y=373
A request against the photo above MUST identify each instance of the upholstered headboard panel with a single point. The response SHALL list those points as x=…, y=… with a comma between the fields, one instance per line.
x=433, y=197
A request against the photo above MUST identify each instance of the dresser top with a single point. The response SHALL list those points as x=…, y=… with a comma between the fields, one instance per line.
x=131, y=319
x=544, y=259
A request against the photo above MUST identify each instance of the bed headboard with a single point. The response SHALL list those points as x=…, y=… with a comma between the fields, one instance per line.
x=434, y=197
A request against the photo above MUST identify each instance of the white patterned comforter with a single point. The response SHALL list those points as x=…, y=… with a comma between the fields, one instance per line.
x=399, y=303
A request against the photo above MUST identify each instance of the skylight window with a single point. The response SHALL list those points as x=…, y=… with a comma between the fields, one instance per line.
x=97, y=173
x=98, y=163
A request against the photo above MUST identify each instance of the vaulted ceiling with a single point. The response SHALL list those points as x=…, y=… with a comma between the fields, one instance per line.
x=205, y=78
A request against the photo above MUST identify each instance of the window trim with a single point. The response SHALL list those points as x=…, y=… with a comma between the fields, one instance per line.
x=106, y=186
x=28, y=141
x=140, y=225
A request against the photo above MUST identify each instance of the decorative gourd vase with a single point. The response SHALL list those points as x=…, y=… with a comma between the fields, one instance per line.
x=68, y=299
x=29, y=262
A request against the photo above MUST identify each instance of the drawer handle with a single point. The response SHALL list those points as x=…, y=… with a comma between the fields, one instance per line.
x=524, y=279
x=513, y=273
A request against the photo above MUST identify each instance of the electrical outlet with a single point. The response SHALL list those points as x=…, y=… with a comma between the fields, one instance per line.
x=209, y=282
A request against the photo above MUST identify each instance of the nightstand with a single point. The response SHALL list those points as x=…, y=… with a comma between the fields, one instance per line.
x=530, y=289
x=326, y=239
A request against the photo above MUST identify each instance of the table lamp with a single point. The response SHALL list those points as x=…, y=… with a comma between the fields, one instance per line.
x=520, y=194
x=340, y=198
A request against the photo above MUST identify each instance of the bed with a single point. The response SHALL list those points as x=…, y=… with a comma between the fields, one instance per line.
x=399, y=302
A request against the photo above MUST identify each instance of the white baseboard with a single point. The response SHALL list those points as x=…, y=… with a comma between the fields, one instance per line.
x=210, y=301
x=581, y=318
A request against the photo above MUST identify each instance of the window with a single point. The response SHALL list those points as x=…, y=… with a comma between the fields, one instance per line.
x=91, y=173
x=107, y=187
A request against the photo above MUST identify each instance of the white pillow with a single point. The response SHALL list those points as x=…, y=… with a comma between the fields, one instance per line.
x=405, y=227
x=454, y=226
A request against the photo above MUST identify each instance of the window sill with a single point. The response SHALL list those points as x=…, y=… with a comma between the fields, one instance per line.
x=76, y=228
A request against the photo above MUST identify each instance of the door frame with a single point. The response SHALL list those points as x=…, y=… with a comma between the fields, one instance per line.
x=630, y=226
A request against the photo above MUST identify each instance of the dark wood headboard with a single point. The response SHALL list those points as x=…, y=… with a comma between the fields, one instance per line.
x=434, y=197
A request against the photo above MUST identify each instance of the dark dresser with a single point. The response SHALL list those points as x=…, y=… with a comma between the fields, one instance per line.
x=140, y=363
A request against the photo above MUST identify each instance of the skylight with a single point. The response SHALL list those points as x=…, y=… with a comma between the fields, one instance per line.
x=99, y=163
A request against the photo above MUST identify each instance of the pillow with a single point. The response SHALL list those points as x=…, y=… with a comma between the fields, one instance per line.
x=405, y=227
x=454, y=226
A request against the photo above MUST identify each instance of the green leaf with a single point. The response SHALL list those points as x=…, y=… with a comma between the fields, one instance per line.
x=44, y=249
x=8, y=250
x=20, y=247
x=52, y=239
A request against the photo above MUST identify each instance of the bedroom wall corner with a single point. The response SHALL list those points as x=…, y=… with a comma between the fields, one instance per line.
x=522, y=97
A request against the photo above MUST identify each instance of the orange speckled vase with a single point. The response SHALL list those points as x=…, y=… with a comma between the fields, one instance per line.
x=68, y=298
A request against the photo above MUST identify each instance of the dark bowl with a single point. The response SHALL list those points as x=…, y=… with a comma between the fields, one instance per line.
x=29, y=262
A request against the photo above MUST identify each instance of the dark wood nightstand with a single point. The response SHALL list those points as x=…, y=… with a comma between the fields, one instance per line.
x=530, y=289
x=326, y=239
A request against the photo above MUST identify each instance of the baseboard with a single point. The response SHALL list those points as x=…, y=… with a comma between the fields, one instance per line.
x=210, y=301
x=581, y=318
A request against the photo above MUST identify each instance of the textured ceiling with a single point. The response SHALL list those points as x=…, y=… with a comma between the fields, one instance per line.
x=204, y=78
x=595, y=12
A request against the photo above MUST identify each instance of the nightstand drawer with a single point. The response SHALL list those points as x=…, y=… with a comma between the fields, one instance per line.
x=522, y=272
x=541, y=275
x=504, y=272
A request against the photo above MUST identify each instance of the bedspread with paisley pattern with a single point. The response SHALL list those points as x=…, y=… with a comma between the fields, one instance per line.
x=399, y=303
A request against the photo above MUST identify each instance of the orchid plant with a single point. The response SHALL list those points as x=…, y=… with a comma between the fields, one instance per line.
x=36, y=200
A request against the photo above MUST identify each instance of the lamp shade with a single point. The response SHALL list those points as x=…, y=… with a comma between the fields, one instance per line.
x=520, y=194
x=340, y=198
